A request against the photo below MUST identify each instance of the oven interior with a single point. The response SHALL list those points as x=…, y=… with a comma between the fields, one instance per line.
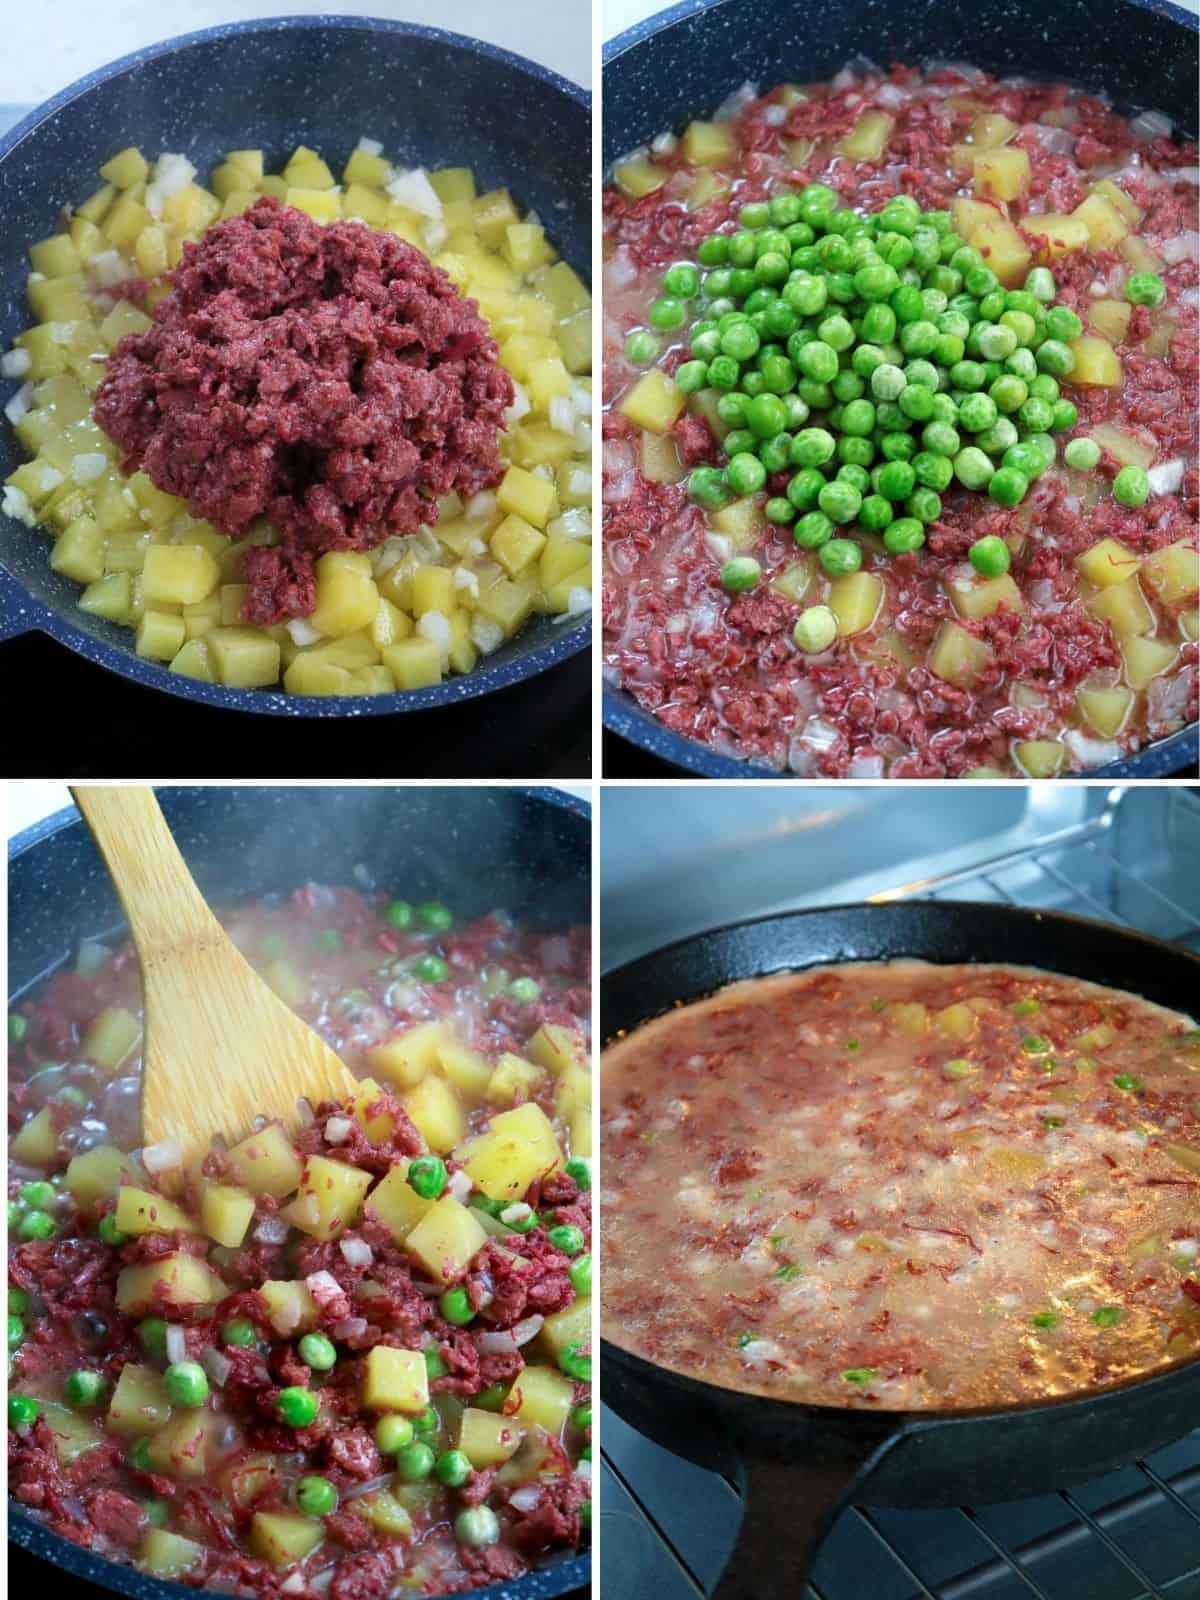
x=675, y=860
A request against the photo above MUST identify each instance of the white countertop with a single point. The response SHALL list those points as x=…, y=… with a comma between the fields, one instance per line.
x=38, y=60
x=29, y=802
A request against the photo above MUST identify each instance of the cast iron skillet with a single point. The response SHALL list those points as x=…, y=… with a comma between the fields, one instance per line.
x=683, y=62
x=433, y=98
x=798, y=1465
x=527, y=851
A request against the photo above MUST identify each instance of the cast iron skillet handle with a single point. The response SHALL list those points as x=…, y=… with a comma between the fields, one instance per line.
x=18, y=614
x=790, y=1505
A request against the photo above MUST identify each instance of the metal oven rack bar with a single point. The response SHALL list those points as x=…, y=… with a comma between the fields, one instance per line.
x=1134, y=1535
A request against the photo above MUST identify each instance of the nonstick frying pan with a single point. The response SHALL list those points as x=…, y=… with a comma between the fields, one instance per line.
x=433, y=98
x=798, y=1465
x=527, y=851
x=683, y=62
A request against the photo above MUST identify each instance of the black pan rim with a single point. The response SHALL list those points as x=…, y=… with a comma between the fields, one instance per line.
x=763, y=1409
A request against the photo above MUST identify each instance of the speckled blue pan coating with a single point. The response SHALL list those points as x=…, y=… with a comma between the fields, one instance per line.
x=433, y=98
x=683, y=62
x=477, y=847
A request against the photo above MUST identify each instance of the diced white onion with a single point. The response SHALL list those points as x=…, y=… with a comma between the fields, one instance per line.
x=520, y=407
x=88, y=466
x=517, y=1212
x=760, y=1350
x=459, y=1186
x=162, y=1157
x=15, y=363
x=350, y=1328
x=466, y=581
x=664, y=144
x=371, y=1486
x=302, y=631
x=1166, y=477
x=49, y=478
x=573, y=524
x=322, y=1285
x=296, y=1584
x=583, y=1470
x=370, y=147
x=337, y=1130
x=435, y=626
x=1184, y=174
x=1181, y=248
x=1148, y=125
x=1091, y=752
x=107, y=268
x=579, y=602
x=16, y=503
x=480, y=505
x=216, y=1365
x=525, y=1499
x=20, y=403
x=358, y=1252
x=271, y=1230
x=562, y=414
x=486, y=635
x=500, y=1341
x=414, y=190
x=176, y=1343
x=733, y=105
x=171, y=174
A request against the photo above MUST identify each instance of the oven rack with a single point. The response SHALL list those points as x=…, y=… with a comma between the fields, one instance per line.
x=666, y=1526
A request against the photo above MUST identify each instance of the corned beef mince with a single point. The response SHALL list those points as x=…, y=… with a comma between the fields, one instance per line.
x=723, y=669
x=326, y=378
x=115, y=1487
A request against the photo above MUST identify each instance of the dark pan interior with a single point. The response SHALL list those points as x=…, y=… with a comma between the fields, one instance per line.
x=434, y=99
x=942, y=1459
x=527, y=851
x=684, y=62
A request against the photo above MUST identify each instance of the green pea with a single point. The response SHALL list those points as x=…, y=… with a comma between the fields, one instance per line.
x=691, y=377
x=1062, y=324
x=812, y=447
x=139, y=1455
x=18, y=1302
x=1041, y=285
x=432, y=914
x=940, y=439
x=666, y=314
x=977, y=413
x=431, y=969
x=399, y=913
x=567, y=1238
x=297, y=1406
x=1131, y=487
x=186, y=1384
x=1106, y=1316
x=1007, y=486
x=39, y=1194
x=477, y=1527
x=896, y=480
x=83, y=1389
x=316, y=1497
x=924, y=504
x=238, y=1332
x=933, y=472
x=157, y=1512
x=804, y=487
x=580, y=1274
x=745, y=473
x=818, y=361
x=840, y=501
x=36, y=1225
x=427, y=1176
x=779, y=510
x=723, y=371
x=393, y=1434
x=998, y=437
x=415, y=1461
x=1145, y=289
x=1009, y=392
x=775, y=454
x=525, y=990
x=967, y=375
x=714, y=250
x=455, y=1306
x=152, y=1335
x=1055, y=358
x=1066, y=415
x=1082, y=454
x=990, y=556
x=23, y=1411
x=452, y=1468
x=813, y=530
x=903, y=536
x=317, y=1352
x=18, y=1028
x=435, y=1367
x=16, y=1331
x=520, y=1217
x=641, y=349
x=840, y=556
x=492, y=1398
x=71, y=1096
x=740, y=575
x=681, y=281
x=875, y=513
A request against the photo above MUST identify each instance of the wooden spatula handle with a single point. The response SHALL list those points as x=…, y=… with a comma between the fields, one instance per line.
x=161, y=902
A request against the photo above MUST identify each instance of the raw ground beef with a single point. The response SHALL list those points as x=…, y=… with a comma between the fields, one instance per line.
x=328, y=379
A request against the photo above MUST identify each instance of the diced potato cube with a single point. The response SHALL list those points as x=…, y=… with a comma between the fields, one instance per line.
x=1056, y=234
x=397, y=1204
x=660, y=459
x=794, y=581
x=71, y=1435
x=112, y=1038
x=95, y=208
x=741, y=522
x=366, y=205
x=565, y=1328
x=1105, y=225
x=519, y=1147
x=160, y=636
x=266, y=1163
x=1124, y=607
x=1096, y=362
x=494, y=214
x=910, y=1017
x=463, y=654
x=855, y=600
x=956, y=1022
x=436, y=1113
x=1145, y=659
x=1001, y=174
x=525, y=246
x=371, y=1113
x=1105, y=711
x=306, y=167
x=226, y=1213
x=453, y=184
x=180, y=1449
x=513, y=1079
x=407, y=1059
x=465, y=1068
x=654, y=402
x=446, y=1239
x=175, y=1284
x=290, y=1305
x=515, y=544
x=528, y=496
x=1110, y=318
x=867, y=139
x=93, y=1177
x=386, y=1515
x=1040, y=758
x=432, y=590
x=37, y=1143
x=973, y=597
x=168, y=1555
x=991, y=129
x=1138, y=254
x=243, y=658
x=1106, y=563
x=330, y=1198
x=957, y=657
x=1129, y=450
x=488, y=1438
x=127, y=167
x=363, y=167
x=347, y=598
x=708, y=144
x=1002, y=249
x=639, y=177
x=556, y=1047
x=79, y=551
x=177, y=574
x=284, y=1540
x=413, y=663
x=322, y=205
x=139, y=1402
x=544, y=1397
x=55, y=257
x=1173, y=571
x=143, y=1211
x=395, y=1380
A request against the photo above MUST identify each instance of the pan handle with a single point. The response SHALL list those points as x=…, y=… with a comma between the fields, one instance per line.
x=18, y=613
x=789, y=1507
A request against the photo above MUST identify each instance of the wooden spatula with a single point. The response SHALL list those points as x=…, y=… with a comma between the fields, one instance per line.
x=220, y=1048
